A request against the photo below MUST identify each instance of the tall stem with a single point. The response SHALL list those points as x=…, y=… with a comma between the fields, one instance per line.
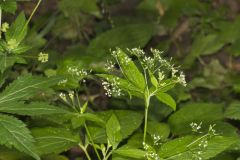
x=146, y=119
x=91, y=140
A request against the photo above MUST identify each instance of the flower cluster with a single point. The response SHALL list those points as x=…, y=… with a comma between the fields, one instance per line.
x=109, y=66
x=112, y=87
x=156, y=139
x=202, y=142
x=43, y=57
x=76, y=71
x=158, y=64
x=196, y=127
x=151, y=153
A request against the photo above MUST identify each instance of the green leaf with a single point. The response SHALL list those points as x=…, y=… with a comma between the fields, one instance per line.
x=124, y=117
x=158, y=129
x=113, y=130
x=18, y=30
x=32, y=109
x=9, y=6
x=79, y=119
x=235, y=48
x=209, y=45
x=233, y=111
x=54, y=140
x=72, y=7
x=178, y=149
x=26, y=86
x=127, y=36
x=14, y=133
x=207, y=113
x=214, y=148
x=176, y=146
x=166, y=99
x=127, y=151
x=130, y=70
x=153, y=79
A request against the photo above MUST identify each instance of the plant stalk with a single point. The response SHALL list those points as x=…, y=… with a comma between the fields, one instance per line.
x=91, y=140
x=146, y=119
x=85, y=151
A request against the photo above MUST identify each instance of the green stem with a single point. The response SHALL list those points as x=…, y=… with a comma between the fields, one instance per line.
x=146, y=119
x=85, y=151
x=33, y=12
x=91, y=141
x=108, y=155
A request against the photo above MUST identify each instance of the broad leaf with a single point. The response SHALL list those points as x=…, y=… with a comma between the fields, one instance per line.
x=32, y=109
x=158, y=129
x=233, y=111
x=79, y=119
x=18, y=29
x=124, y=117
x=26, y=86
x=54, y=140
x=207, y=113
x=113, y=130
x=127, y=36
x=166, y=99
x=127, y=151
x=179, y=149
x=14, y=133
x=130, y=70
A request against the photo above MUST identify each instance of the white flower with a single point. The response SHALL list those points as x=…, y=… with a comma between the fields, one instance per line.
x=109, y=66
x=196, y=127
x=182, y=79
x=137, y=52
x=112, y=87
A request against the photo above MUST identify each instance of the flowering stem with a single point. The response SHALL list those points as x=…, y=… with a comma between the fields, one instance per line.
x=146, y=118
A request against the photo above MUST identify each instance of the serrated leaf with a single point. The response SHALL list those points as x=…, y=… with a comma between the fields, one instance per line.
x=26, y=86
x=32, y=109
x=233, y=111
x=207, y=113
x=18, y=30
x=113, y=130
x=14, y=133
x=166, y=99
x=54, y=140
